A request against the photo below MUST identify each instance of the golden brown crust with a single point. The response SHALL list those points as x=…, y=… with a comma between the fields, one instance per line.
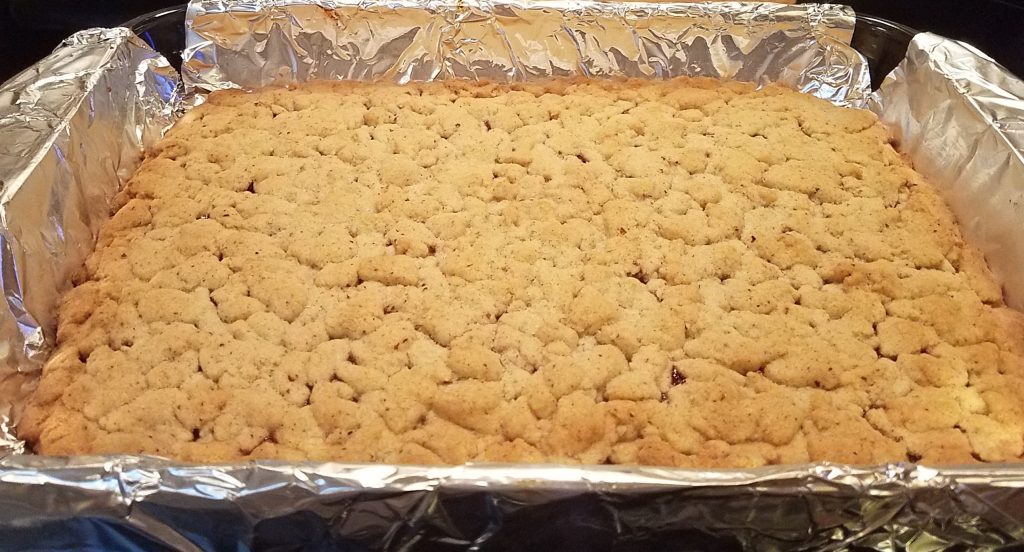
x=688, y=273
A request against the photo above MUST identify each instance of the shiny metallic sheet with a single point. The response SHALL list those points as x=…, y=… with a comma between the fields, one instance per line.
x=960, y=117
x=147, y=504
x=256, y=43
x=72, y=128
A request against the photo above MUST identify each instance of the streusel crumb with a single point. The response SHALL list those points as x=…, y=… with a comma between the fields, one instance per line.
x=683, y=273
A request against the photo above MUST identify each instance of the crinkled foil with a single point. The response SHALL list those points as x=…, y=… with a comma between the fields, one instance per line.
x=72, y=129
x=960, y=117
x=146, y=504
x=255, y=43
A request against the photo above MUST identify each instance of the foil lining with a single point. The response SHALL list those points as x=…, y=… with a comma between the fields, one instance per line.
x=147, y=504
x=960, y=117
x=72, y=129
x=257, y=43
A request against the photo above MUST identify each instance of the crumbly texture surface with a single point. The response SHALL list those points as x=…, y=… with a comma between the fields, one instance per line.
x=681, y=273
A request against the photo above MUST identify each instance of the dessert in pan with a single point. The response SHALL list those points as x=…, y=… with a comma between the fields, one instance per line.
x=683, y=273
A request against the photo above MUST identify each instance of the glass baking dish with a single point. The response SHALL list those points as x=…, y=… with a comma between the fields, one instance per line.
x=268, y=504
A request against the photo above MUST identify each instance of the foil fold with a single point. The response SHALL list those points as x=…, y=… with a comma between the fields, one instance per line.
x=73, y=128
x=251, y=44
x=960, y=118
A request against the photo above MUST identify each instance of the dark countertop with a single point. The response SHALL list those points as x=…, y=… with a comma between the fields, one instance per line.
x=29, y=29
x=995, y=27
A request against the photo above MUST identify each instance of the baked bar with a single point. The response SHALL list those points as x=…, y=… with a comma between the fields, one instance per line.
x=680, y=273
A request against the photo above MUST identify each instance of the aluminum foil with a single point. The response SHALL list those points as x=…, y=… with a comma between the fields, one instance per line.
x=250, y=44
x=72, y=128
x=145, y=504
x=960, y=117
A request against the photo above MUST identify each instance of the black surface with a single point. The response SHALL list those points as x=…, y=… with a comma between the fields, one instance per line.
x=31, y=29
x=995, y=27
x=71, y=15
x=22, y=45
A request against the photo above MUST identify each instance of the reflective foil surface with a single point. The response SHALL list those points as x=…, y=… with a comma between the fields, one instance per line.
x=256, y=43
x=72, y=130
x=960, y=118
